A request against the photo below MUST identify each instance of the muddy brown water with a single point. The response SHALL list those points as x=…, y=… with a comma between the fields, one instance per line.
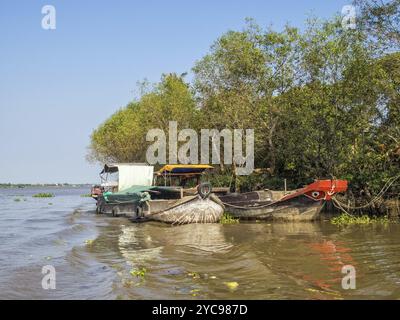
x=242, y=261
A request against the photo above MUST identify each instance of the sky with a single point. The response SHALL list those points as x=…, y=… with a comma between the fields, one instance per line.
x=57, y=86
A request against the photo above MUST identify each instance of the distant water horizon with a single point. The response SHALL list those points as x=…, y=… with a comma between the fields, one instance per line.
x=45, y=184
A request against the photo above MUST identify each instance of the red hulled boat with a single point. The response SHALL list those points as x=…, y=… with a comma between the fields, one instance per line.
x=304, y=204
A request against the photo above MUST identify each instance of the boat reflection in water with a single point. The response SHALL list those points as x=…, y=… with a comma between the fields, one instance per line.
x=141, y=244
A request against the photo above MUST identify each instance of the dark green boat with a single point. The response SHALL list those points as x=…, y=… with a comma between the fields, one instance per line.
x=170, y=204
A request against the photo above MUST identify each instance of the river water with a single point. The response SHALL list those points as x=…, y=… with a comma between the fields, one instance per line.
x=94, y=255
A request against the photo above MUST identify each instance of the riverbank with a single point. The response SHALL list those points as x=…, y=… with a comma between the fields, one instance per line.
x=384, y=208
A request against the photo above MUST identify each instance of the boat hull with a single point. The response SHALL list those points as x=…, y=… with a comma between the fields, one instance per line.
x=304, y=204
x=185, y=211
x=297, y=209
x=117, y=209
x=189, y=209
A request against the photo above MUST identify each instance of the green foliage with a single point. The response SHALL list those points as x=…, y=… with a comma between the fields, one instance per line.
x=324, y=103
x=221, y=179
x=43, y=195
x=346, y=220
x=122, y=138
x=140, y=273
x=194, y=275
x=227, y=218
x=381, y=20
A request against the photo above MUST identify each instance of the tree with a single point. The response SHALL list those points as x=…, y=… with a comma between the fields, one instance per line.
x=122, y=137
x=323, y=102
x=380, y=20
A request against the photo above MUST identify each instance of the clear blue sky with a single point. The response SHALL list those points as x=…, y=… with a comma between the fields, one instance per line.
x=56, y=86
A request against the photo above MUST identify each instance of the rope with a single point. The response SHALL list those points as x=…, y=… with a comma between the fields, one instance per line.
x=249, y=207
x=336, y=202
x=342, y=206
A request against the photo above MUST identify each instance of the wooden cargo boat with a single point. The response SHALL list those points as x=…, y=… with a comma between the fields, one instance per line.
x=300, y=205
x=169, y=203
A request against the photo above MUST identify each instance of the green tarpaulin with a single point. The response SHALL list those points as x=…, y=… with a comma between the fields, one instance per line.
x=132, y=194
x=136, y=194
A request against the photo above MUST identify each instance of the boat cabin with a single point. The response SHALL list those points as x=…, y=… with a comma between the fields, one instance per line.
x=120, y=176
x=135, y=191
x=180, y=175
x=184, y=176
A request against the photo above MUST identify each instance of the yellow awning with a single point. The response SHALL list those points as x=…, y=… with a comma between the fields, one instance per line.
x=182, y=169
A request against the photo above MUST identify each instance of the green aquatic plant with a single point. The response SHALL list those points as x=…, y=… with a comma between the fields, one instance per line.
x=194, y=292
x=17, y=199
x=43, y=195
x=89, y=242
x=347, y=219
x=86, y=195
x=140, y=273
x=232, y=285
x=227, y=218
x=194, y=275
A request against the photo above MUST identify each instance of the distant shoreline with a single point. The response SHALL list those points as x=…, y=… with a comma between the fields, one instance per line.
x=41, y=185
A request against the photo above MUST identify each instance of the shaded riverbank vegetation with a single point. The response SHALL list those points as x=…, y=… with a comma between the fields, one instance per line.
x=324, y=102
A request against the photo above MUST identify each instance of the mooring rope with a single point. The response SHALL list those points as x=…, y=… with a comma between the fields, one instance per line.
x=343, y=206
x=247, y=207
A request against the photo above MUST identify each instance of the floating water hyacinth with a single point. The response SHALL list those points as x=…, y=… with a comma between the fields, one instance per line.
x=347, y=219
x=232, y=285
x=138, y=272
x=194, y=292
x=43, y=195
x=227, y=218
x=194, y=275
